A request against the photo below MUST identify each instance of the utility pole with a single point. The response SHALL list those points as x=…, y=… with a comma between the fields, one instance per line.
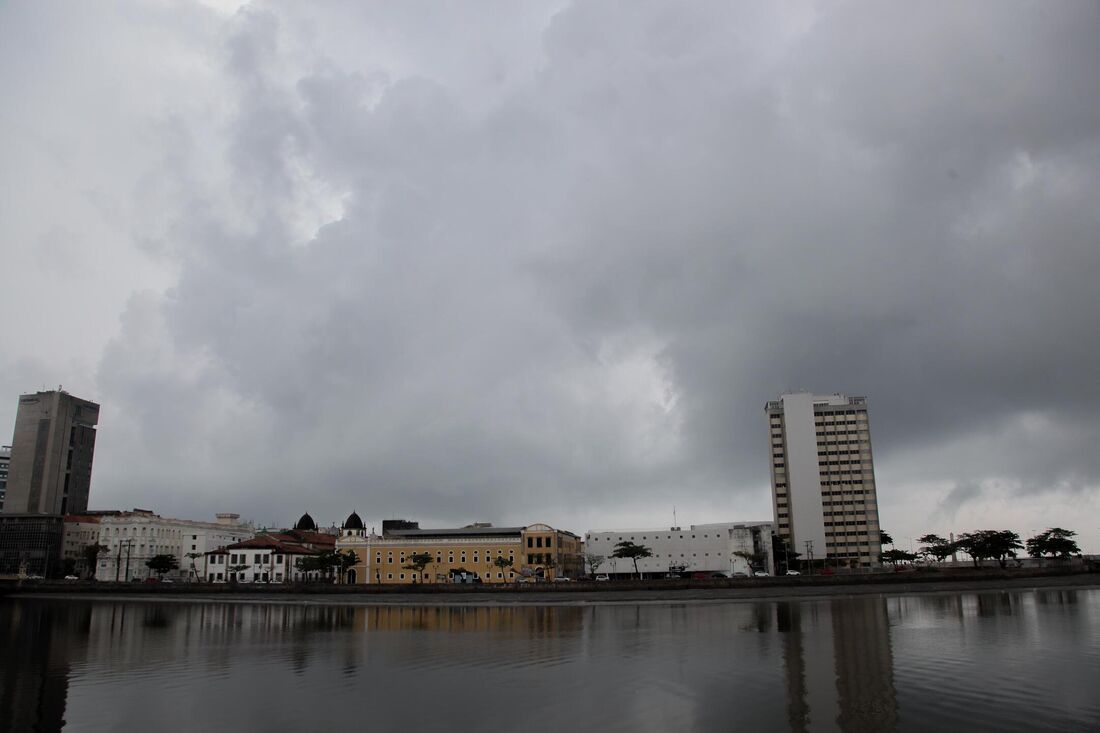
x=129, y=547
x=118, y=558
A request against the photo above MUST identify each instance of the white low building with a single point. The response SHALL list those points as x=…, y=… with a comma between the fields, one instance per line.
x=133, y=538
x=724, y=548
x=262, y=559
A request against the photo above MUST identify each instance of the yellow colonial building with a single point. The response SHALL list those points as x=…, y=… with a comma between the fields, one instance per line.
x=405, y=553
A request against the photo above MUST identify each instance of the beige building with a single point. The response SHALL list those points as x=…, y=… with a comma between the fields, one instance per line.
x=464, y=554
x=50, y=468
x=823, y=478
x=80, y=532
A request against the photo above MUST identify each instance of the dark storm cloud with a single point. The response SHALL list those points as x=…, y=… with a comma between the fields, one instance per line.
x=561, y=277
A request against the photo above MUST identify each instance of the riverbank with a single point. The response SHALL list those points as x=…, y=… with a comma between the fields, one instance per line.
x=624, y=592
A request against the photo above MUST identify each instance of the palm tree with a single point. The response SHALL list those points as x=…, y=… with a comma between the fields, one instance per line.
x=505, y=565
x=91, y=557
x=192, y=556
x=348, y=560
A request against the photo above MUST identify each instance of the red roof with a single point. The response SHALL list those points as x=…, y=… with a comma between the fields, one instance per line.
x=308, y=538
x=279, y=543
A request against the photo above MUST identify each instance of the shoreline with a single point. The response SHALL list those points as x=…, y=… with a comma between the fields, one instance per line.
x=581, y=596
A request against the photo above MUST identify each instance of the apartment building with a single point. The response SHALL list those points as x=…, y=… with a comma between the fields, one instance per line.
x=823, y=478
x=5, y=460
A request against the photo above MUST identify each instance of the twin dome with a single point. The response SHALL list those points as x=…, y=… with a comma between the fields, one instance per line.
x=307, y=524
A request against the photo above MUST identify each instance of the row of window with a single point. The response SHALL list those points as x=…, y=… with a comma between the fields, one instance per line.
x=485, y=576
x=450, y=558
x=242, y=559
x=655, y=537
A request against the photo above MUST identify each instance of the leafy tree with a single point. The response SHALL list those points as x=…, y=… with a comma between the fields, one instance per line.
x=994, y=544
x=936, y=546
x=594, y=561
x=780, y=549
x=161, y=564
x=895, y=556
x=308, y=564
x=755, y=560
x=417, y=562
x=91, y=555
x=326, y=562
x=505, y=565
x=884, y=538
x=1054, y=542
x=630, y=551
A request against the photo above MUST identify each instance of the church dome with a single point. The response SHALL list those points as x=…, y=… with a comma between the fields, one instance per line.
x=353, y=522
x=306, y=523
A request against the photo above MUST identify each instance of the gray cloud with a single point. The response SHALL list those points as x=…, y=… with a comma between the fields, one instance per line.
x=551, y=267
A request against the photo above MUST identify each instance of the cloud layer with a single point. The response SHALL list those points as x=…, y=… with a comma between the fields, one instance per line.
x=546, y=263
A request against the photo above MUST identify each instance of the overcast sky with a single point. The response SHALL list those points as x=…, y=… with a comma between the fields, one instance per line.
x=520, y=262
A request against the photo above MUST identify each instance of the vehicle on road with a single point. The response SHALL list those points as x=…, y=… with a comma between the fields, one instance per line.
x=762, y=574
x=71, y=577
x=602, y=577
x=793, y=572
x=739, y=574
x=561, y=580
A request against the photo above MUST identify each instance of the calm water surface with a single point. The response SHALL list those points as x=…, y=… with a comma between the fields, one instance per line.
x=980, y=661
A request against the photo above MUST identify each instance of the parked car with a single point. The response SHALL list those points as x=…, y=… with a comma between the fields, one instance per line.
x=739, y=574
x=602, y=577
x=762, y=574
x=71, y=577
x=793, y=572
x=561, y=580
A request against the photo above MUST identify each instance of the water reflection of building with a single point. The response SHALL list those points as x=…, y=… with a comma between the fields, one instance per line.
x=35, y=663
x=838, y=665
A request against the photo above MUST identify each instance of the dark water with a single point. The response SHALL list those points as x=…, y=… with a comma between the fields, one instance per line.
x=991, y=661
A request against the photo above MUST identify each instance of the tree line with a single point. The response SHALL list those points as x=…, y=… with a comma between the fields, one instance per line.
x=986, y=544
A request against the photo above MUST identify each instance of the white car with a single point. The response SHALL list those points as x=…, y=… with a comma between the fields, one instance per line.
x=793, y=572
x=602, y=577
x=762, y=574
x=71, y=577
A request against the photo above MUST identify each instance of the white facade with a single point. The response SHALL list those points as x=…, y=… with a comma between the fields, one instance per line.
x=255, y=565
x=708, y=548
x=133, y=538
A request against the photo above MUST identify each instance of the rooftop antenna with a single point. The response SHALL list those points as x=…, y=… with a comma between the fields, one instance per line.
x=674, y=516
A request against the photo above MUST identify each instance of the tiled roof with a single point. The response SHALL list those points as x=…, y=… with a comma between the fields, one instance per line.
x=281, y=543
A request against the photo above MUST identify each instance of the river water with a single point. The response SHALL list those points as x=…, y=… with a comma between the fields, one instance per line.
x=981, y=661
